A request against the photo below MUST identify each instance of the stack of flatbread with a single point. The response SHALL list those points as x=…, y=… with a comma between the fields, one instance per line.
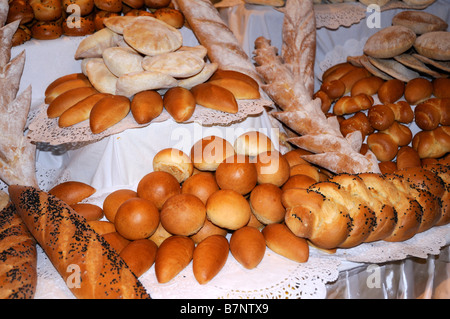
x=289, y=82
x=17, y=154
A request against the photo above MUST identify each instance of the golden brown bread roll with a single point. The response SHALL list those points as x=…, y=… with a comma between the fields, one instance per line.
x=207, y=153
x=272, y=167
x=83, y=26
x=158, y=187
x=368, y=85
x=170, y=16
x=79, y=111
x=325, y=100
x=441, y=87
x=387, y=167
x=400, y=134
x=265, y=203
x=183, y=214
x=281, y=240
x=357, y=122
x=403, y=112
x=85, y=6
x=208, y=229
x=160, y=235
x=174, y=162
x=418, y=90
x=337, y=71
x=407, y=157
x=432, y=113
x=432, y=144
x=248, y=246
x=352, y=104
x=72, y=192
x=116, y=241
x=210, y=255
x=391, y=90
x=294, y=156
x=230, y=74
x=334, y=89
x=68, y=240
x=18, y=256
x=157, y=3
x=22, y=35
x=215, y=97
x=136, y=218
x=228, y=209
x=380, y=116
x=64, y=78
x=201, y=184
x=305, y=169
x=109, y=5
x=173, y=255
x=62, y=85
x=383, y=146
x=89, y=211
x=47, y=30
x=108, y=111
x=238, y=173
x=20, y=10
x=68, y=99
x=100, y=16
x=252, y=143
x=49, y=10
x=114, y=200
x=146, y=106
x=443, y=172
x=136, y=4
x=180, y=103
x=298, y=181
x=139, y=255
x=102, y=227
x=354, y=76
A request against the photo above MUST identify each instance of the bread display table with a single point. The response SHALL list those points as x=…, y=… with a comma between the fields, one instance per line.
x=121, y=160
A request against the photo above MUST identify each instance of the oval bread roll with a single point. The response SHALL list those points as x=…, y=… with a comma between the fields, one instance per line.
x=180, y=103
x=114, y=200
x=209, y=257
x=282, y=240
x=391, y=90
x=80, y=111
x=207, y=153
x=146, y=106
x=89, y=211
x=389, y=42
x=139, y=255
x=66, y=100
x=238, y=173
x=272, y=168
x=108, y=111
x=102, y=226
x=266, y=205
x=228, y=209
x=215, y=97
x=72, y=192
x=208, y=229
x=240, y=89
x=419, y=21
x=64, y=78
x=57, y=88
x=248, y=246
x=173, y=255
x=171, y=16
x=434, y=45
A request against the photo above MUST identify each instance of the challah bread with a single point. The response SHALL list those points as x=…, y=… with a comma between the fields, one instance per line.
x=18, y=257
x=443, y=171
x=68, y=240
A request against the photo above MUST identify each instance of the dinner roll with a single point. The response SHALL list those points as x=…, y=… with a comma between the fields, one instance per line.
x=89, y=211
x=201, y=184
x=207, y=153
x=114, y=200
x=228, y=209
x=252, y=143
x=298, y=181
x=238, y=173
x=294, y=156
x=272, y=167
x=208, y=229
x=265, y=203
x=248, y=246
x=305, y=169
x=175, y=162
x=160, y=235
x=158, y=187
x=136, y=218
x=183, y=214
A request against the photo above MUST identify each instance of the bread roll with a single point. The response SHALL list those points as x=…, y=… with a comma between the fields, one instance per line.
x=391, y=90
x=47, y=30
x=228, y=209
x=159, y=235
x=64, y=84
x=432, y=113
x=419, y=21
x=207, y=153
x=77, y=28
x=403, y=112
x=272, y=167
x=248, y=246
x=208, y=229
x=72, y=192
x=383, y=146
x=334, y=89
x=352, y=104
x=252, y=143
x=180, y=103
x=107, y=112
x=265, y=203
x=173, y=255
x=281, y=240
x=175, y=162
x=68, y=240
x=305, y=169
x=109, y=5
x=19, y=10
x=238, y=173
x=158, y=187
x=294, y=156
x=139, y=255
x=157, y=3
x=298, y=181
x=202, y=185
x=79, y=111
x=136, y=218
x=432, y=144
x=215, y=97
x=67, y=99
x=46, y=10
x=116, y=241
x=100, y=16
x=241, y=90
x=407, y=157
x=387, y=167
x=400, y=134
x=357, y=122
x=209, y=257
x=368, y=85
x=230, y=74
x=441, y=87
x=183, y=214
x=418, y=90
x=146, y=106
x=114, y=200
x=89, y=211
x=102, y=227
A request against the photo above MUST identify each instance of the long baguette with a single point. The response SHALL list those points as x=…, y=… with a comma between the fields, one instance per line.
x=83, y=258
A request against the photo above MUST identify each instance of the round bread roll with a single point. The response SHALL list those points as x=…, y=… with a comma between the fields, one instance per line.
x=252, y=143
x=248, y=246
x=114, y=200
x=238, y=173
x=265, y=203
x=207, y=153
x=381, y=116
x=154, y=4
x=419, y=21
x=294, y=156
x=139, y=255
x=434, y=45
x=383, y=146
x=272, y=168
x=305, y=169
x=175, y=162
x=72, y=192
x=201, y=184
x=418, y=90
x=389, y=42
x=183, y=214
x=298, y=181
x=208, y=229
x=158, y=187
x=391, y=90
x=228, y=209
x=170, y=16
x=136, y=218
x=89, y=211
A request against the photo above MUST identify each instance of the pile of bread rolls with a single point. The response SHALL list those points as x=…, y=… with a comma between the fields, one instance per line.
x=50, y=19
x=421, y=47
x=74, y=98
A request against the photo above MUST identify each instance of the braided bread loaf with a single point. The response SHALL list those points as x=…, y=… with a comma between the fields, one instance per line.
x=350, y=209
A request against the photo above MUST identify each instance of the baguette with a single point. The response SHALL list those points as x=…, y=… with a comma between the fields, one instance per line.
x=70, y=242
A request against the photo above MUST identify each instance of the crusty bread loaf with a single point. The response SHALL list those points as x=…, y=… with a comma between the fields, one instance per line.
x=389, y=42
x=18, y=257
x=419, y=21
x=69, y=241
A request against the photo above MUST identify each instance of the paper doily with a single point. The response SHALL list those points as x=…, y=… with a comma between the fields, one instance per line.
x=45, y=130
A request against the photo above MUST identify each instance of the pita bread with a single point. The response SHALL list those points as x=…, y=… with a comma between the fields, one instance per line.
x=415, y=64
x=442, y=65
x=201, y=77
x=374, y=70
x=100, y=76
x=122, y=61
x=434, y=45
x=198, y=50
x=132, y=83
x=389, y=42
x=179, y=64
x=94, y=45
x=151, y=36
x=394, y=69
x=118, y=23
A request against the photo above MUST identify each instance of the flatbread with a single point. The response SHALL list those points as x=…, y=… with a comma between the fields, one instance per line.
x=394, y=69
x=132, y=83
x=201, y=77
x=415, y=64
x=94, y=45
x=374, y=70
x=122, y=61
x=179, y=64
x=442, y=65
x=100, y=76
